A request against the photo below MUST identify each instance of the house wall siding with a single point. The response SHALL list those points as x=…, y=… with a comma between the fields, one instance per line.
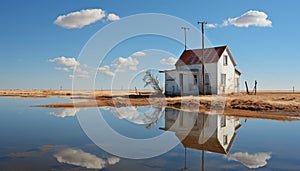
x=229, y=70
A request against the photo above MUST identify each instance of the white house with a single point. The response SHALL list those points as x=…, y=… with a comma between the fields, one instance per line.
x=221, y=75
x=214, y=133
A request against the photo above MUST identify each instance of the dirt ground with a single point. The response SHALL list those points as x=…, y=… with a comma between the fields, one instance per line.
x=279, y=105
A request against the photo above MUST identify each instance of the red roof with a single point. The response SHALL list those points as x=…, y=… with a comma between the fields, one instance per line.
x=211, y=55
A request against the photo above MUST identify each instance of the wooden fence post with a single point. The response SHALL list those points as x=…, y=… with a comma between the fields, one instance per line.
x=247, y=87
x=293, y=89
x=255, y=87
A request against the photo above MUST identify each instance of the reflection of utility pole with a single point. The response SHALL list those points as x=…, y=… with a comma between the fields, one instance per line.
x=203, y=71
x=185, y=168
x=202, y=159
x=185, y=29
x=203, y=131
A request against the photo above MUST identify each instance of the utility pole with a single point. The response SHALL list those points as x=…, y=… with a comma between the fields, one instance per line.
x=203, y=70
x=185, y=29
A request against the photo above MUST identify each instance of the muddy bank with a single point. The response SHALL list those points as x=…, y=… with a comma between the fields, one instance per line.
x=76, y=94
x=259, y=103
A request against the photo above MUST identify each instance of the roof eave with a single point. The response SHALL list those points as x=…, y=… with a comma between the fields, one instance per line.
x=231, y=56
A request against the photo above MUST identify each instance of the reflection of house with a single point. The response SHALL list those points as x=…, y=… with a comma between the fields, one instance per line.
x=221, y=76
x=214, y=133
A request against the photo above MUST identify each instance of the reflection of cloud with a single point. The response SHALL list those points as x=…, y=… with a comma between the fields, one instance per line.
x=80, y=158
x=105, y=108
x=133, y=115
x=113, y=160
x=46, y=147
x=128, y=113
x=251, y=161
x=20, y=154
x=65, y=112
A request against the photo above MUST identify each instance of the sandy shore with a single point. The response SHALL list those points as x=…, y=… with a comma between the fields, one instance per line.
x=280, y=105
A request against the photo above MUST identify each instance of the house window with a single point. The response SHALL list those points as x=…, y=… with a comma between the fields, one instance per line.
x=195, y=79
x=225, y=60
x=223, y=79
x=223, y=121
x=225, y=139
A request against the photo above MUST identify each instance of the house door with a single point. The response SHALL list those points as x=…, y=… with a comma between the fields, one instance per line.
x=207, y=84
x=181, y=83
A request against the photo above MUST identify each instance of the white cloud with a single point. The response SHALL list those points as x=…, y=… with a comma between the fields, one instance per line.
x=70, y=62
x=78, y=157
x=113, y=160
x=139, y=53
x=78, y=76
x=168, y=61
x=250, y=18
x=65, y=112
x=106, y=70
x=211, y=25
x=62, y=69
x=113, y=17
x=79, y=73
x=80, y=19
x=251, y=161
x=125, y=64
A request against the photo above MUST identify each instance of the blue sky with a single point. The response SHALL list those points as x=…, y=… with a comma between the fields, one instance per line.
x=30, y=38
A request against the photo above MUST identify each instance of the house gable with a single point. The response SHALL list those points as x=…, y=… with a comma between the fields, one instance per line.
x=231, y=56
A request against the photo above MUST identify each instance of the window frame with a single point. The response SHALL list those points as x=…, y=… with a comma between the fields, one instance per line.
x=225, y=60
x=225, y=139
x=223, y=122
x=195, y=79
